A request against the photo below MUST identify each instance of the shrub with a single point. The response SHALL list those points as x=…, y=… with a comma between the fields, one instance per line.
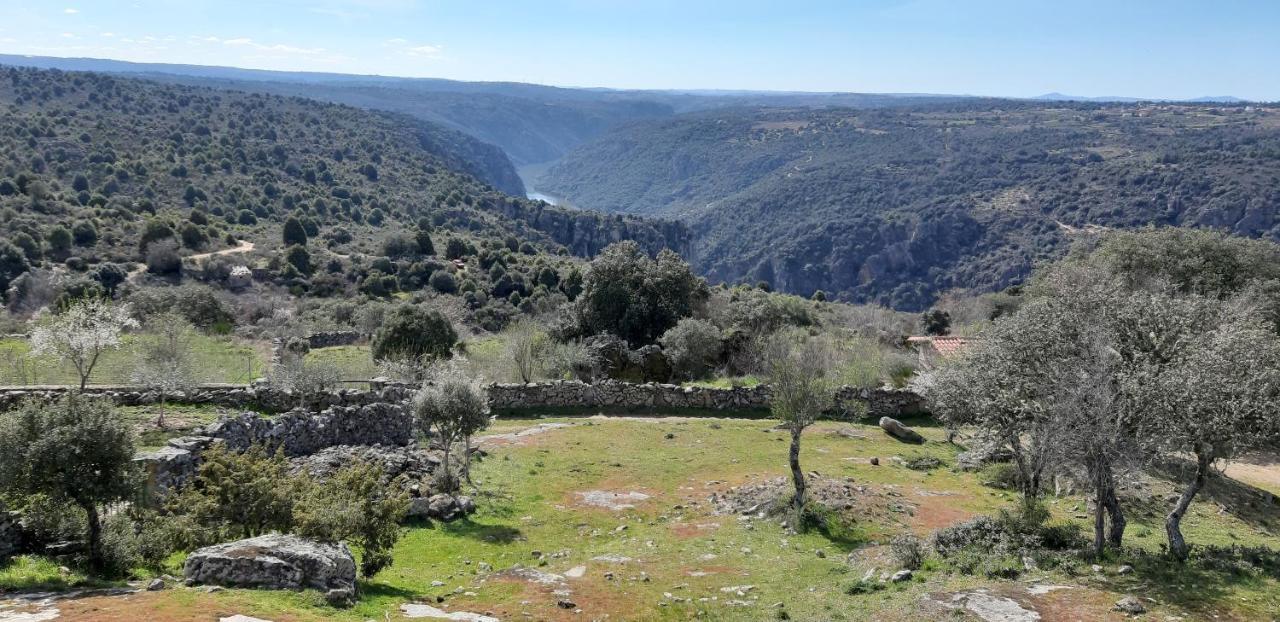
x=414, y=332
x=443, y=282
x=908, y=551
x=356, y=505
x=163, y=258
x=236, y=494
x=694, y=347
x=198, y=303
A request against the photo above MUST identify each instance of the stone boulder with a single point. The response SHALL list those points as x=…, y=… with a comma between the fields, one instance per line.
x=983, y=450
x=281, y=562
x=10, y=534
x=441, y=507
x=894, y=428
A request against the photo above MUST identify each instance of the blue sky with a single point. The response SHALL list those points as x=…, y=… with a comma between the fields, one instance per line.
x=1144, y=48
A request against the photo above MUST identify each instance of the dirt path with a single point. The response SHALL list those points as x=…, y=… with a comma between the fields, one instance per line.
x=243, y=247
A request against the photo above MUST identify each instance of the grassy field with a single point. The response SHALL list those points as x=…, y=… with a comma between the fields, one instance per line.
x=354, y=361
x=216, y=359
x=670, y=557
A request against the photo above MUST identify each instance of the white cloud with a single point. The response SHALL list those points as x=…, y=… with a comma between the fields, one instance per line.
x=277, y=47
x=397, y=41
x=70, y=11
x=425, y=50
x=107, y=34
x=67, y=35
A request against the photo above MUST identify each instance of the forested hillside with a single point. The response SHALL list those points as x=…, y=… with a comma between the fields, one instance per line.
x=532, y=123
x=99, y=156
x=897, y=205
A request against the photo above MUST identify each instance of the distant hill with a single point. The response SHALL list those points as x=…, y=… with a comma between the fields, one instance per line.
x=532, y=123
x=103, y=155
x=1220, y=99
x=895, y=205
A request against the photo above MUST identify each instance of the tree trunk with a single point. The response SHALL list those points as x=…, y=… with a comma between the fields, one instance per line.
x=1115, y=536
x=1099, y=512
x=447, y=480
x=160, y=417
x=466, y=460
x=1178, y=547
x=95, y=534
x=797, y=475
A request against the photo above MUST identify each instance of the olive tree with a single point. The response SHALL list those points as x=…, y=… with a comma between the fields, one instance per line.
x=164, y=363
x=453, y=407
x=76, y=450
x=801, y=389
x=1218, y=402
x=81, y=333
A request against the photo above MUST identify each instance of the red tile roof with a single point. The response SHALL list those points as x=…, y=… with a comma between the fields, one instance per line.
x=945, y=346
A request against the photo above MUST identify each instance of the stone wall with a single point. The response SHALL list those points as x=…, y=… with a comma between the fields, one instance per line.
x=296, y=433
x=611, y=394
x=332, y=338
x=259, y=397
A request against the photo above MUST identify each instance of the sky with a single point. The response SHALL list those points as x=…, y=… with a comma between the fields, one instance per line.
x=1171, y=49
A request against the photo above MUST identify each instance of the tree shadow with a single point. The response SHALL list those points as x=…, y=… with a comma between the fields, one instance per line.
x=1189, y=585
x=372, y=588
x=495, y=533
x=1256, y=507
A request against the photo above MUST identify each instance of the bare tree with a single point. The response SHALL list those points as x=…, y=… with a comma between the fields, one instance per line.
x=453, y=407
x=81, y=333
x=164, y=362
x=802, y=388
x=294, y=373
x=526, y=346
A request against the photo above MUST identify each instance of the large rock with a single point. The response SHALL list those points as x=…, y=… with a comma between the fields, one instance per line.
x=901, y=432
x=10, y=534
x=982, y=450
x=282, y=562
x=441, y=507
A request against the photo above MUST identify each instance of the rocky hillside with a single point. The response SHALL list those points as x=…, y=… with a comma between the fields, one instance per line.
x=896, y=205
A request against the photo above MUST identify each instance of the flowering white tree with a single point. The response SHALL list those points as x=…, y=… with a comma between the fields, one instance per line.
x=81, y=333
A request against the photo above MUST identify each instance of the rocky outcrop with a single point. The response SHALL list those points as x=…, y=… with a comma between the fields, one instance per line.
x=282, y=562
x=10, y=534
x=319, y=442
x=414, y=462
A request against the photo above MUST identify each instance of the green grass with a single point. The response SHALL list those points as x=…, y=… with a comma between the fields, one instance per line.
x=28, y=573
x=530, y=505
x=354, y=361
x=725, y=383
x=216, y=360
x=179, y=419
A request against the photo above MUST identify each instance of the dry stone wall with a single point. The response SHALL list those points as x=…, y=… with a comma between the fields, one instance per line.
x=259, y=397
x=610, y=394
